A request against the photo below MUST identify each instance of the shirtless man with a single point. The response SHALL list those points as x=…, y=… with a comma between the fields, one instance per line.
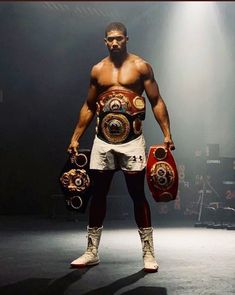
x=116, y=85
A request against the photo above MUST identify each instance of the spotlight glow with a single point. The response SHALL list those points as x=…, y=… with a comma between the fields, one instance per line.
x=198, y=63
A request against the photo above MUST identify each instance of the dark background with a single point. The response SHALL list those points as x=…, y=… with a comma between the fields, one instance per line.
x=46, y=53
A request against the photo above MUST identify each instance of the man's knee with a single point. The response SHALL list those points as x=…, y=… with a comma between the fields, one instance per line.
x=137, y=193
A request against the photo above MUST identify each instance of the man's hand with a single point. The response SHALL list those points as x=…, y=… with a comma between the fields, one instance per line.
x=168, y=142
x=73, y=148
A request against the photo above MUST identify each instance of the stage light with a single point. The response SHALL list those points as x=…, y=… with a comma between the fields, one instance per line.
x=193, y=58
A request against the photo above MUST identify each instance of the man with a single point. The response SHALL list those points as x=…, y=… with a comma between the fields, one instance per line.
x=116, y=85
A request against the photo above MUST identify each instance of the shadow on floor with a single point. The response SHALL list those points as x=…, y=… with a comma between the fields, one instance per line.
x=59, y=286
x=43, y=286
x=126, y=281
x=146, y=291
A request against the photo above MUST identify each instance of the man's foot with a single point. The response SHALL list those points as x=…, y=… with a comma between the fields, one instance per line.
x=91, y=256
x=150, y=263
x=87, y=259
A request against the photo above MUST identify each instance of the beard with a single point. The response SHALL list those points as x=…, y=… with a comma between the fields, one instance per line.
x=117, y=52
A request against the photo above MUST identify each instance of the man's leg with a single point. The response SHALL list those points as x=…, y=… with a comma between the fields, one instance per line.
x=101, y=183
x=135, y=185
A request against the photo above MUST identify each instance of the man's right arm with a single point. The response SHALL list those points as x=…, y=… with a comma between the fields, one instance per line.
x=158, y=105
x=86, y=114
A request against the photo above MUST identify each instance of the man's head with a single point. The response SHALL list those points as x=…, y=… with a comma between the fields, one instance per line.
x=116, y=26
x=116, y=38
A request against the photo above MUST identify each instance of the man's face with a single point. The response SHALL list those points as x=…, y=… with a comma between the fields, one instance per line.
x=116, y=42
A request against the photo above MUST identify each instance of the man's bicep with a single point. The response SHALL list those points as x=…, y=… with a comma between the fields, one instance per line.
x=150, y=84
x=152, y=90
x=92, y=93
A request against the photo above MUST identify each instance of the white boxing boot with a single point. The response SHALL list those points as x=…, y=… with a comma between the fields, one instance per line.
x=91, y=256
x=146, y=236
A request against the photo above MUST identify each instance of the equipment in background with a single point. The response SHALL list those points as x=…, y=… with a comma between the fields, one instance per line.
x=162, y=174
x=216, y=184
x=75, y=181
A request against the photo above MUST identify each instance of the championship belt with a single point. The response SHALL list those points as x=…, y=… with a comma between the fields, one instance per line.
x=75, y=181
x=162, y=174
x=119, y=116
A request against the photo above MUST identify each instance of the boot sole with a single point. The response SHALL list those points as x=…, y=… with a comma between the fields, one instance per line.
x=150, y=270
x=83, y=265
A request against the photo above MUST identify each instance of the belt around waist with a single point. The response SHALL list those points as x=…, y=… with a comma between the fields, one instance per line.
x=118, y=128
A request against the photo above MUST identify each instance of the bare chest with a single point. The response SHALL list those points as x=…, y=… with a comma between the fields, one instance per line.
x=126, y=76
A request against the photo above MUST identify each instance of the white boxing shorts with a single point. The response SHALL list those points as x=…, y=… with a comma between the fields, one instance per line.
x=129, y=156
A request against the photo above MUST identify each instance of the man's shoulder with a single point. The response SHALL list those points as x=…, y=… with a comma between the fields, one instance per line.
x=98, y=67
x=142, y=65
x=136, y=58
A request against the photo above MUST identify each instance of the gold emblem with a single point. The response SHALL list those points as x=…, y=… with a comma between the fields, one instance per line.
x=160, y=153
x=115, y=128
x=139, y=102
x=162, y=175
x=75, y=180
x=137, y=126
x=115, y=103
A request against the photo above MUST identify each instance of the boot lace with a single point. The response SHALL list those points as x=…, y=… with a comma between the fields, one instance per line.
x=147, y=249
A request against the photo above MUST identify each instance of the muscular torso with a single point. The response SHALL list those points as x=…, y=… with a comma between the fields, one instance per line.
x=120, y=107
x=125, y=76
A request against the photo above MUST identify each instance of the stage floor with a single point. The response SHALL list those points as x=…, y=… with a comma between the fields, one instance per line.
x=36, y=253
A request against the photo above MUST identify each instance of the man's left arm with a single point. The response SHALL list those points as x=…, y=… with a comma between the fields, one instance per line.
x=157, y=103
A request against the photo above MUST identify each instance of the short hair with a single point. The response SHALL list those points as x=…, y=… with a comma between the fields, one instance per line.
x=116, y=26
